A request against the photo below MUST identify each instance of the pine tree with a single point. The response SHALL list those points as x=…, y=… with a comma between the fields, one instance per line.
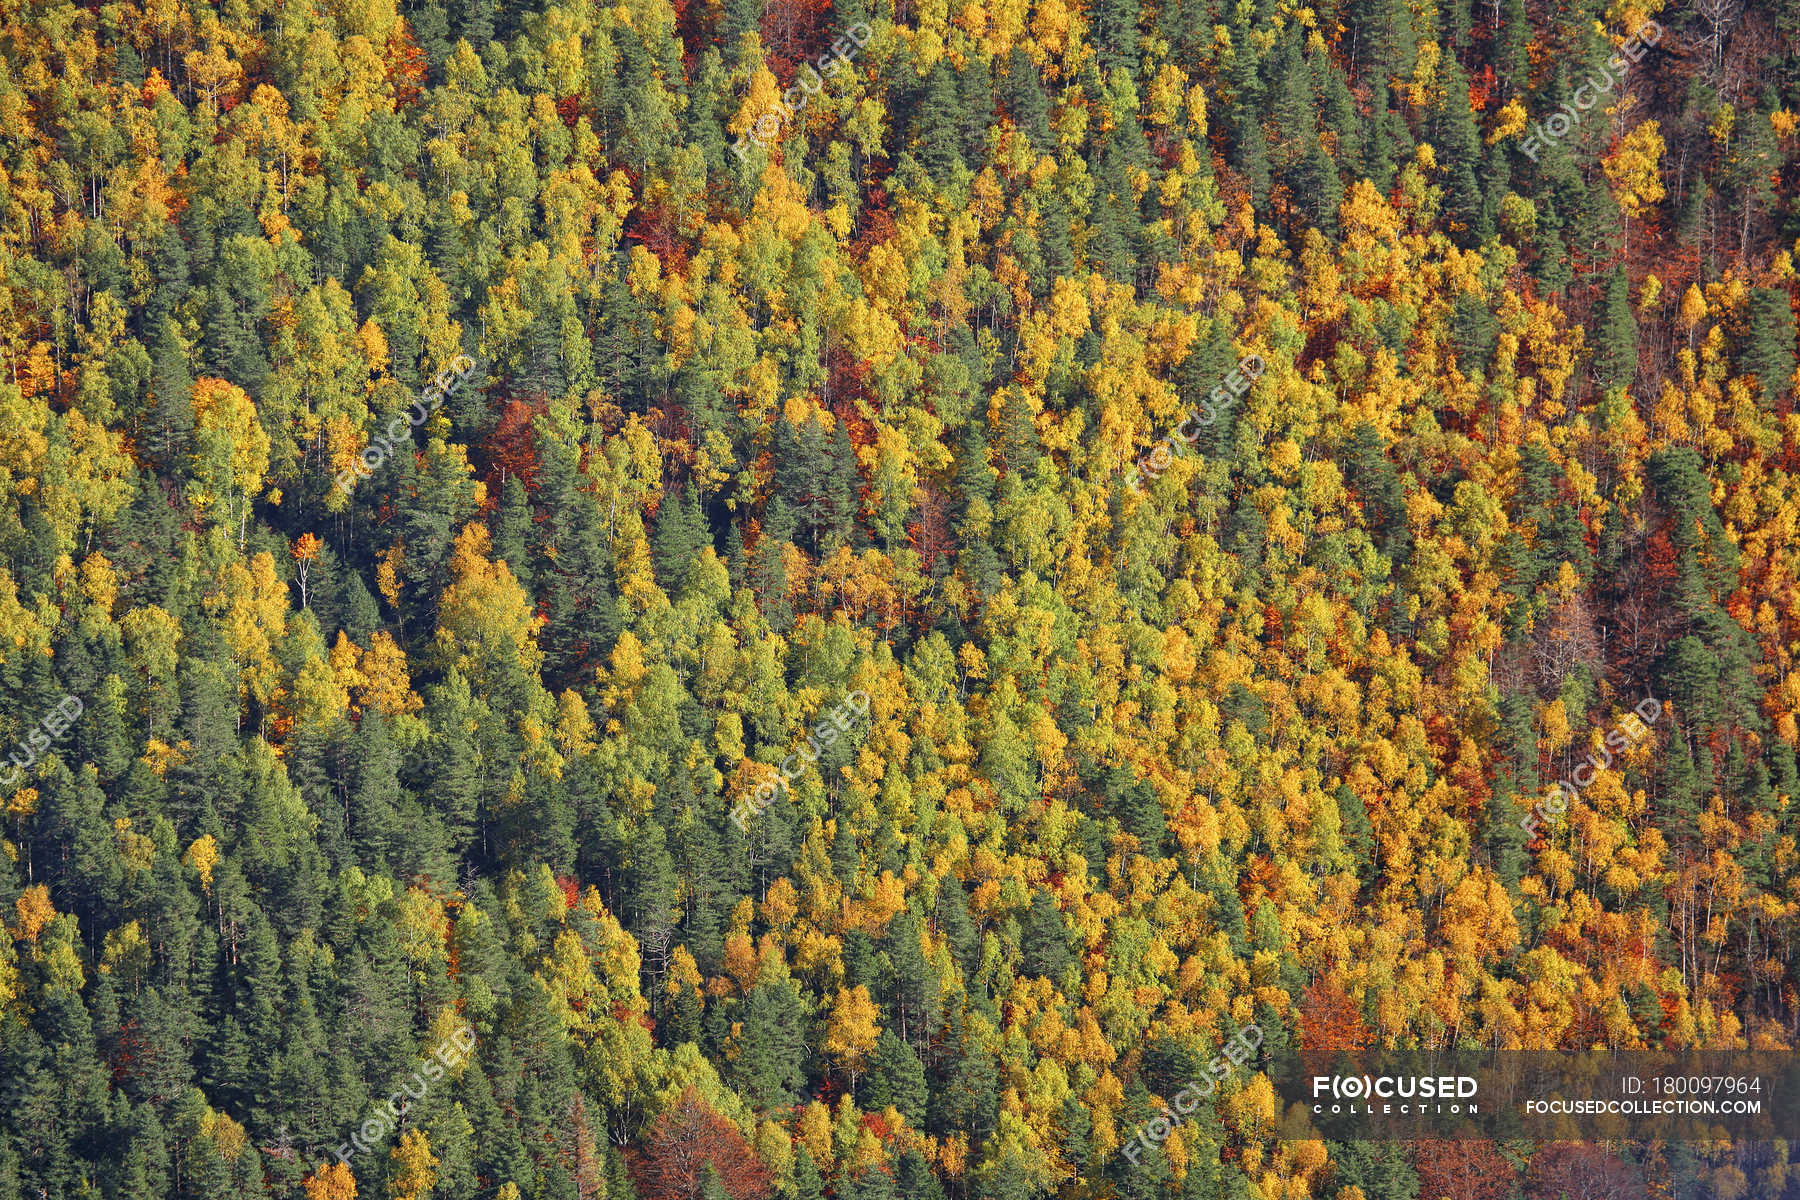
x=376, y=799
x=1113, y=27
x=1768, y=352
x=1376, y=484
x=1076, y=1126
x=932, y=125
x=573, y=565
x=1022, y=95
x=895, y=1077
x=474, y=21
x=968, y=1099
x=1457, y=143
x=681, y=533
x=770, y=1067
x=815, y=483
x=1145, y=1172
x=1616, y=347
x=807, y=1183
x=1382, y=46
x=1044, y=939
x=513, y=531
x=1320, y=192
x=957, y=926
x=871, y=1183
x=1358, y=834
x=1385, y=143
x=1250, y=157
x=1513, y=58
x=1378, y=1168
x=912, y=987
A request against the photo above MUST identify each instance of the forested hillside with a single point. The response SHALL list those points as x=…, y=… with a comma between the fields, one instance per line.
x=678, y=601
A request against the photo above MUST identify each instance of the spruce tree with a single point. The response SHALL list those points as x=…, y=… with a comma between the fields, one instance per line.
x=897, y=1077
x=932, y=126
x=1113, y=26
x=1044, y=939
x=1616, y=347
x=807, y=1183
x=914, y=1178
x=1768, y=352
x=512, y=534
x=1457, y=143
x=1022, y=93
x=958, y=927
x=681, y=534
x=770, y=1067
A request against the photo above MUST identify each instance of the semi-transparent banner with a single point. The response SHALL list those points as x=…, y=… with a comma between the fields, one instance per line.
x=1544, y=1095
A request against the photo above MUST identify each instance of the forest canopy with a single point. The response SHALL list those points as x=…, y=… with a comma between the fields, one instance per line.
x=462, y=462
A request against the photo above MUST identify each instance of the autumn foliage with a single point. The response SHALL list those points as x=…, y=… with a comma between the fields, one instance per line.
x=687, y=1139
x=465, y=457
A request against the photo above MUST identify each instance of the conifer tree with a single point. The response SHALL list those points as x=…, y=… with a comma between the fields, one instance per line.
x=1768, y=352
x=1616, y=347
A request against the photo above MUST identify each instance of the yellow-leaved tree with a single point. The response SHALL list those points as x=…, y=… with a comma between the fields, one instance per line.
x=486, y=619
x=333, y=1181
x=415, y=1167
x=231, y=452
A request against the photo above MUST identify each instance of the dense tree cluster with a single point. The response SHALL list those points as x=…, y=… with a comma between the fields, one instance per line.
x=759, y=423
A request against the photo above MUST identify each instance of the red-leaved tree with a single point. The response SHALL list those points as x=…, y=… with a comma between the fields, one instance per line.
x=686, y=1139
x=1462, y=1170
x=1582, y=1171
